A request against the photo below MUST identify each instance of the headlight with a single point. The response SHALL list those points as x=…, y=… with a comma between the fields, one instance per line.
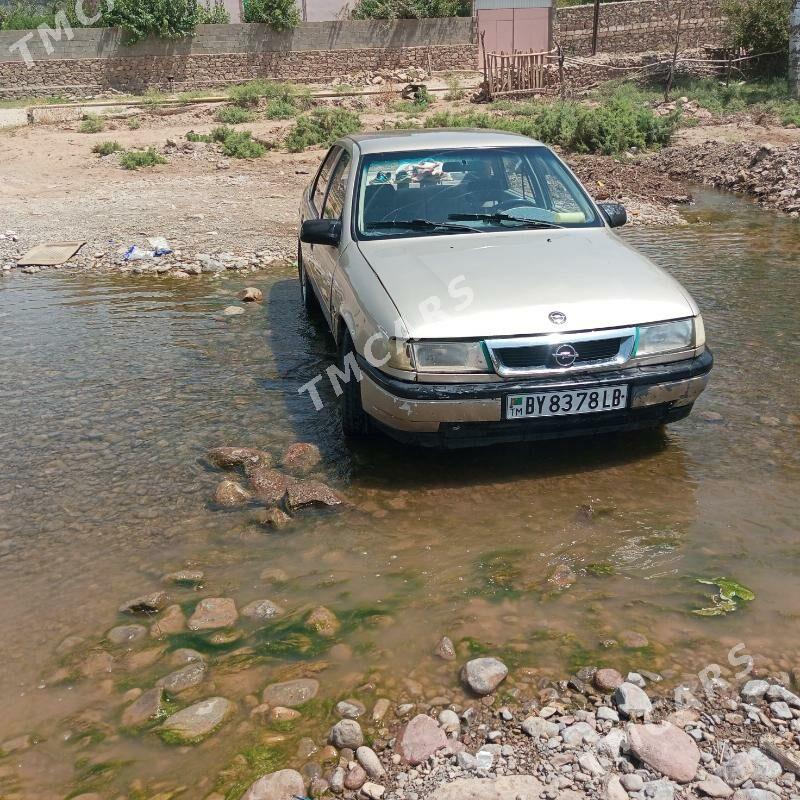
x=450, y=357
x=666, y=337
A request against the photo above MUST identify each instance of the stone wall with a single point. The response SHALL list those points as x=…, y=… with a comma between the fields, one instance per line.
x=640, y=25
x=96, y=60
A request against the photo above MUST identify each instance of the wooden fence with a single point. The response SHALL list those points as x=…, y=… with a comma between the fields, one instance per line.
x=510, y=73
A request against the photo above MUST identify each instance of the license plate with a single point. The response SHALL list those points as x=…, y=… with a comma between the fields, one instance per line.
x=563, y=404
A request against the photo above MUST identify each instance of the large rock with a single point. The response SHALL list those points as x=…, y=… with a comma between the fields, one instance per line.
x=755, y=794
x=777, y=693
x=420, y=739
x=303, y=494
x=194, y=723
x=484, y=675
x=230, y=494
x=291, y=694
x=233, y=457
x=301, y=457
x=145, y=604
x=213, y=612
x=525, y=787
x=146, y=708
x=347, y=733
x=540, y=728
x=184, y=678
x=286, y=784
x=666, y=749
x=632, y=701
x=268, y=485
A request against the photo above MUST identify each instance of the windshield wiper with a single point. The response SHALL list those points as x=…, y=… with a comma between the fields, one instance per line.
x=501, y=217
x=418, y=225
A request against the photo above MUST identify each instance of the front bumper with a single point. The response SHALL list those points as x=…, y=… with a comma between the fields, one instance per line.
x=469, y=414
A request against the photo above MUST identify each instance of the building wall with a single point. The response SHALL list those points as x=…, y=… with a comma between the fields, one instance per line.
x=95, y=59
x=640, y=25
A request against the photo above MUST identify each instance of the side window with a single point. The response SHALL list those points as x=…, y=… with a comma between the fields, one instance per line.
x=321, y=186
x=334, y=204
x=518, y=177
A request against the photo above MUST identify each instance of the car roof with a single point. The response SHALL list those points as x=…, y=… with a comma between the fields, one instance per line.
x=404, y=140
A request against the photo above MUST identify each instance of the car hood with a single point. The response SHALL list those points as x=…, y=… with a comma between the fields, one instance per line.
x=507, y=284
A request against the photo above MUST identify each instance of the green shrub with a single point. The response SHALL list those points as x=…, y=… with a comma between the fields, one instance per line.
x=167, y=19
x=134, y=123
x=91, y=123
x=283, y=95
x=761, y=26
x=282, y=15
x=281, y=109
x=236, y=144
x=321, y=127
x=106, y=148
x=152, y=97
x=198, y=137
x=233, y=115
x=410, y=9
x=612, y=127
x=454, y=90
x=246, y=94
x=134, y=159
x=213, y=13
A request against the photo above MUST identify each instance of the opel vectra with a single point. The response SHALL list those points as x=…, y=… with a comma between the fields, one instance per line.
x=477, y=294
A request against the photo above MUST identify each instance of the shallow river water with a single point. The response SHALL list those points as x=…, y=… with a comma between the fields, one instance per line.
x=113, y=388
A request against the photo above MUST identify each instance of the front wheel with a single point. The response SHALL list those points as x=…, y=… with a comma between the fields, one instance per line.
x=355, y=421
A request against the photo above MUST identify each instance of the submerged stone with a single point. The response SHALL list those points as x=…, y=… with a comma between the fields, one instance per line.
x=184, y=678
x=233, y=457
x=196, y=722
x=146, y=708
x=304, y=494
x=261, y=610
x=230, y=494
x=323, y=621
x=268, y=485
x=291, y=694
x=172, y=621
x=185, y=577
x=126, y=634
x=213, y=612
x=274, y=518
x=301, y=457
x=145, y=604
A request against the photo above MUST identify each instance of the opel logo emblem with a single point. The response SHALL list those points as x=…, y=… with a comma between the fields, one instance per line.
x=558, y=317
x=566, y=355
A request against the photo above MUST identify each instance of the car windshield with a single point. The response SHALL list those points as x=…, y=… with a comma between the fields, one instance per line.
x=435, y=192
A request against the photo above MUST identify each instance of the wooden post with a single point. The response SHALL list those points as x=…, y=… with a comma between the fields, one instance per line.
x=595, y=26
x=671, y=76
x=562, y=85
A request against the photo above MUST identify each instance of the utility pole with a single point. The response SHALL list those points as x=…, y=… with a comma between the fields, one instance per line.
x=595, y=26
x=794, y=49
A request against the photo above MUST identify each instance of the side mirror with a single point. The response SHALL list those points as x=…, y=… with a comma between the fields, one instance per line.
x=614, y=213
x=321, y=231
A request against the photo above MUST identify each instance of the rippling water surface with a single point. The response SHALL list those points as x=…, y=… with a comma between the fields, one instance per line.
x=113, y=388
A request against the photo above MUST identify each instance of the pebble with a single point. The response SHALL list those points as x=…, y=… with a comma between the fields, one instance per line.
x=666, y=748
x=198, y=721
x=420, y=739
x=369, y=760
x=607, y=680
x=350, y=709
x=632, y=701
x=261, y=610
x=213, y=612
x=281, y=785
x=290, y=694
x=444, y=649
x=145, y=604
x=346, y=733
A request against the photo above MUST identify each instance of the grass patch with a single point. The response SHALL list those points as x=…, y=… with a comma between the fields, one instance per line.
x=601, y=570
x=106, y=148
x=233, y=115
x=236, y=144
x=136, y=159
x=134, y=123
x=91, y=123
x=615, y=125
x=321, y=127
x=152, y=97
x=280, y=108
x=191, y=95
x=250, y=94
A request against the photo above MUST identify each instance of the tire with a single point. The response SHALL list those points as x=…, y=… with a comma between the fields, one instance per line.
x=355, y=421
x=307, y=296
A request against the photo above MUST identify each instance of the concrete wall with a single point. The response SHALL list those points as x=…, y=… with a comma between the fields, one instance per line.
x=95, y=59
x=640, y=25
